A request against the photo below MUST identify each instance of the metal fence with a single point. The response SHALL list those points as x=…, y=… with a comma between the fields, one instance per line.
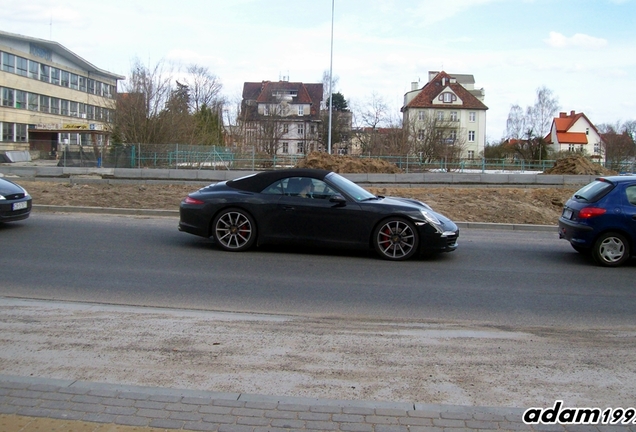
x=179, y=156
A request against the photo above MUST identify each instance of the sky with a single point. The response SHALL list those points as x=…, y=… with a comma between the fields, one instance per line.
x=584, y=51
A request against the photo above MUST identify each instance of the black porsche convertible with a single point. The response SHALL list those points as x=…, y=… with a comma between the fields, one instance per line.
x=315, y=208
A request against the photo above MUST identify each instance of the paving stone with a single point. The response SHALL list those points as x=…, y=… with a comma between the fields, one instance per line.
x=166, y=424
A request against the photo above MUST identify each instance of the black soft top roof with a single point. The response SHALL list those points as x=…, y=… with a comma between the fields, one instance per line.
x=258, y=182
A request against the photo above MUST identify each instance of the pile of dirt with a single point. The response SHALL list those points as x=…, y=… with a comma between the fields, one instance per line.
x=578, y=165
x=347, y=164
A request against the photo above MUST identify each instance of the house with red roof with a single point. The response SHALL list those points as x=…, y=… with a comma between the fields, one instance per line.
x=281, y=117
x=450, y=104
x=575, y=132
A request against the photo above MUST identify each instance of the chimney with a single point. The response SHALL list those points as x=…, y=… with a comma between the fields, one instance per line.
x=562, y=115
x=572, y=113
x=414, y=86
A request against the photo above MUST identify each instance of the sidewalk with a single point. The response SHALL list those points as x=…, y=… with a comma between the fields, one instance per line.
x=40, y=404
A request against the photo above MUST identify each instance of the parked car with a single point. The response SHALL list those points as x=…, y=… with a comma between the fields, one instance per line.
x=15, y=201
x=600, y=218
x=314, y=208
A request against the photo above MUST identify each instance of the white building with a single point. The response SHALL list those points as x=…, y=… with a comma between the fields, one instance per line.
x=575, y=132
x=50, y=97
x=456, y=107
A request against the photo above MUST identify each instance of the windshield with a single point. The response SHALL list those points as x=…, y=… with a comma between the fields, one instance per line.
x=594, y=191
x=348, y=187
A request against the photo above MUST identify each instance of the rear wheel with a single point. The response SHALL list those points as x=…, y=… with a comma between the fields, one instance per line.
x=395, y=239
x=234, y=230
x=611, y=250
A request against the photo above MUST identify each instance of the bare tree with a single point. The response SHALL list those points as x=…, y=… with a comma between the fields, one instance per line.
x=140, y=103
x=434, y=139
x=527, y=131
x=204, y=88
x=618, y=143
x=541, y=114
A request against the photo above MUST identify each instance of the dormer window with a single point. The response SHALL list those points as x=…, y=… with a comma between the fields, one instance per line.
x=447, y=97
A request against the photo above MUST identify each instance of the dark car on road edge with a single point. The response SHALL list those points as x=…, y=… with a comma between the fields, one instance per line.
x=314, y=208
x=15, y=201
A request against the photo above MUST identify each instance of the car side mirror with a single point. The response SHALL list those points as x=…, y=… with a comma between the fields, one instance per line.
x=339, y=200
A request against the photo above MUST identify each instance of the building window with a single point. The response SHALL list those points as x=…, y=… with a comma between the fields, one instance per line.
x=45, y=72
x=597, y=147
x=452, y=136
x=45, y=103
x=420, y=134
x=74, y=81
x=55, y=105
x=73, y=111
x=8, y=97
x=22, y=65
x=82, y=110
x=300, y=148
x=453, y=116
x=440, y=115
x=471, y=136
x=285, y=148
x=312, y=129
x=55, y=76
x=91, y=86
x=20, y=132
x=301, y=110
x=471, y=154
x=8, y=64
x=66, y=79
x=34, y=70
x=20, y=99
x=587, y=131
x=285, y=128
x=90, y=112
x=447, y=97
x=421, y=115
x=64, y=107
x=472, y=115
x=82, y=84
x=265, y=108
x=33, y=102
x=301, y=129
x=7, y=132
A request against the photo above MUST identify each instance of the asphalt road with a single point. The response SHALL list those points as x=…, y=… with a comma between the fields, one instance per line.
x=503, y=278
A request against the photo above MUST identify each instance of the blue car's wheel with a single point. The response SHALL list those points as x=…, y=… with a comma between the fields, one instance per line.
x=234, y=230
x=611, y=250
x=395, y=239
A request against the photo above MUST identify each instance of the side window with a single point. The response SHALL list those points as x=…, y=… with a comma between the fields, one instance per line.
x=275, y=188
x=305, y=187
x=631, y=194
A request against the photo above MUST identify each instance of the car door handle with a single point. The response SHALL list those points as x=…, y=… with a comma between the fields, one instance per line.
x=289, y=208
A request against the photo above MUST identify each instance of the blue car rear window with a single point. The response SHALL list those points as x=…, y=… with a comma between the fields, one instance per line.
x=594, y=191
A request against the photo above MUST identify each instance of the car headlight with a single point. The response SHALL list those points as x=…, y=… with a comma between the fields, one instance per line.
x=2, y=198
x=432, y=219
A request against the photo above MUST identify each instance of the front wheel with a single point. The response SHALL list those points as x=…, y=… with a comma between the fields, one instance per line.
x=234, y=230
x=611, y=250
x=395, y=239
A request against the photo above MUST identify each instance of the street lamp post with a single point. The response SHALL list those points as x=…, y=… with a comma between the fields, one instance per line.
x=330, y=82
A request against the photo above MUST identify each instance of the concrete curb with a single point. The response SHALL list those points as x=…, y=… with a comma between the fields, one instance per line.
x=175, y=213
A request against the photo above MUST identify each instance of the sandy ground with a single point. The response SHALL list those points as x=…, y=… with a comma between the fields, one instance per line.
x=463, y=204
x=424, y=362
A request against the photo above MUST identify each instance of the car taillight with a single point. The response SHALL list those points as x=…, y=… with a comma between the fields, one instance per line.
x=589, y=212
x=190, y=200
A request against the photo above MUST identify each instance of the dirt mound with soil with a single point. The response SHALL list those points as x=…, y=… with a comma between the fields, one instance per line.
x=347, y=164
x=578, y=165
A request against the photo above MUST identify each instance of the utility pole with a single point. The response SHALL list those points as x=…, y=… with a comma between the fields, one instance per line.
x=330, y=82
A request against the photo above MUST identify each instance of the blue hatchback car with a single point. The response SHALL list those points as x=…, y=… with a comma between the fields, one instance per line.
x=601, y=218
